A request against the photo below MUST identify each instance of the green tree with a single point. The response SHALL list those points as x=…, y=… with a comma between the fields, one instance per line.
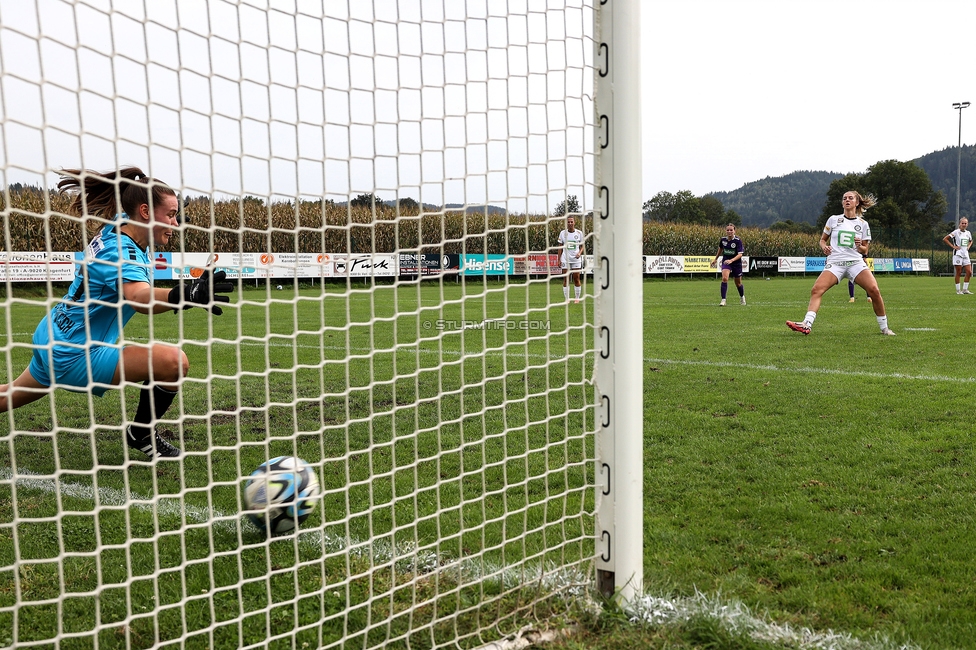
x=366, y=201
x=688, y=208
x=715, y=212
x=569, y=206
x=408, y=205
x=788, y=225
x=941, y=166
x=660, y=207
x=906, y=200
x=713, y=209
x=683, y=207
x=798, y=196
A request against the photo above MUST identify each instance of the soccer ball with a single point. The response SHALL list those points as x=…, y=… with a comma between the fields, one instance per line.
x=281, y=494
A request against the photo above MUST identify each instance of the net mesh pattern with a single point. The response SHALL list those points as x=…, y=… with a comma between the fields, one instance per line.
x=386, y=186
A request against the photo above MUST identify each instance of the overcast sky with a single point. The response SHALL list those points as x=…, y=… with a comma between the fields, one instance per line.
x=471, y=101
x=442, y=101
x=737, y=90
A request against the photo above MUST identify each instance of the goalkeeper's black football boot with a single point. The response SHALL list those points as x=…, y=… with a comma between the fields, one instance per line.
x=152, y=446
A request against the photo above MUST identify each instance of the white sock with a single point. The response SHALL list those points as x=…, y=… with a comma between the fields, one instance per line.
x=957, y=286
x=578, y=289
x=566, y=293
x=965, y=286
x=883, y=322
x=809, y=318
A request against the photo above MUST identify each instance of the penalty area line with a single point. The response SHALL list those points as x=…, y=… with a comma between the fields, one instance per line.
x=814, y=371
x=734, y=615
x=408, y=559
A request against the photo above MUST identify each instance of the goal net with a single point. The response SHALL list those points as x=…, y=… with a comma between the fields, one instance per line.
x=388, y=187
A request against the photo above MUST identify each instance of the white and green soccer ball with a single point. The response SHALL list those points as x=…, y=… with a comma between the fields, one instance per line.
x=281, y=494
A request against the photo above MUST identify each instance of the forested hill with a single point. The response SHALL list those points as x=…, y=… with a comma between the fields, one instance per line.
x=798, y=197
x=941, y=168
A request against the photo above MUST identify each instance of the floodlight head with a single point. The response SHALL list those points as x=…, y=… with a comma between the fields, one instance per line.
x=960, y=105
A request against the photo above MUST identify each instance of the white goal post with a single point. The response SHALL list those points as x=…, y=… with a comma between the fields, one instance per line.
x=620, y=371
x=388, y=188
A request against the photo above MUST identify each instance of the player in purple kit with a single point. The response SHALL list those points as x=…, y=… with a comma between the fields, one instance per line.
x=730, y=251
x=850, y=283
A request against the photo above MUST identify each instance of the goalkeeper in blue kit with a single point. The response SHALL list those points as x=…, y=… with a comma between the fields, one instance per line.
x=76, y=343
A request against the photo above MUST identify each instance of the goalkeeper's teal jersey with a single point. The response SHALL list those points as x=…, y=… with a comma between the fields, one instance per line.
x=95, y=295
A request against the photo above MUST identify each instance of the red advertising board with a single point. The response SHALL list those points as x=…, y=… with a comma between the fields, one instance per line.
x=536, y=264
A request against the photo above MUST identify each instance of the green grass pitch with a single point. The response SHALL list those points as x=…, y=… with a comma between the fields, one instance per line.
x=447, y=423
x=826, y=480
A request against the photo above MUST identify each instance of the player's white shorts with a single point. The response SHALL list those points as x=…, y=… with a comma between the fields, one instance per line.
x=573, y=266
x=960, y=260
x=846, y=269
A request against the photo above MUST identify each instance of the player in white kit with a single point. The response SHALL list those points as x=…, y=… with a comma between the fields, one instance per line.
x=959, y=240
x=571, y=259
x=845, y=240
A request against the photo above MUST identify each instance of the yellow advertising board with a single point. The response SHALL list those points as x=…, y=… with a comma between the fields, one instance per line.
x=699, y=264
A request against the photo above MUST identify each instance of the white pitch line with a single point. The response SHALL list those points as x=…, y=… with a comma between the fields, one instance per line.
x=572, y=583
x=650, y=610
x=407, y=557
x=815, y=371
x=557, y=357
x=170, y=505
x=582, y=354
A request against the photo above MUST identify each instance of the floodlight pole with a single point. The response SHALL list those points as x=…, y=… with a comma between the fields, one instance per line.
x=959, y=106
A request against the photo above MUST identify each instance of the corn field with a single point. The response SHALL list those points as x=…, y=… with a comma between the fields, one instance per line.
x=37, y=220
x=693, y=239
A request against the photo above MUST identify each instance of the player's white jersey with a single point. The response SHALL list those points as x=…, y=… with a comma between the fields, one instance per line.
x=961, y=238
x=572, y=247
x=842, y=233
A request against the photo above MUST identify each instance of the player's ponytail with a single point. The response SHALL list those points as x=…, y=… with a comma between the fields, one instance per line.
x=864, y=202
x=106, y=194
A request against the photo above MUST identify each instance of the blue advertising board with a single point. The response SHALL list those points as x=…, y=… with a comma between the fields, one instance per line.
x=815, y=264
x=882, y=264
x=903, y=264
x=486, y=264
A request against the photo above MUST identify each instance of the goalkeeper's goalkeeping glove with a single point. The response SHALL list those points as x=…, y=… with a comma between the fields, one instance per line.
x=202, y=292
